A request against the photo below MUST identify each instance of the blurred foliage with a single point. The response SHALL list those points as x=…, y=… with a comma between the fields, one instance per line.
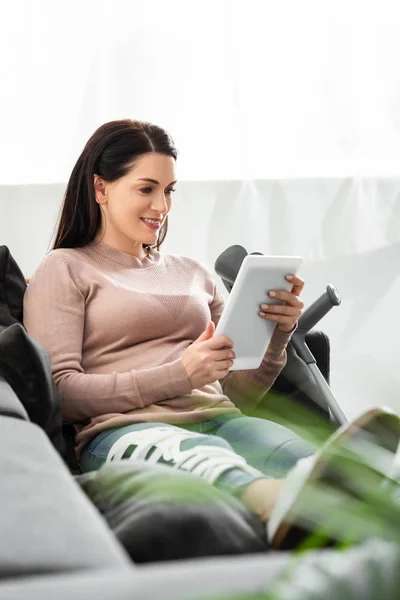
x=354, y=505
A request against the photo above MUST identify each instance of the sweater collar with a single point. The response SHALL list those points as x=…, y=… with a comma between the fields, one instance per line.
x=124, y=259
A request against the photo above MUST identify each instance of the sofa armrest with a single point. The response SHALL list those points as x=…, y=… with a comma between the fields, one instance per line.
x=47, y=524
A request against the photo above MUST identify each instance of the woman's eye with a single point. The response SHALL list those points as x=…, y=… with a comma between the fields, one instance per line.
x=146, y=190
x=170, y=191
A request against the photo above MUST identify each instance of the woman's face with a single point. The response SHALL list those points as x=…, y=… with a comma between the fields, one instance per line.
x=135, y=206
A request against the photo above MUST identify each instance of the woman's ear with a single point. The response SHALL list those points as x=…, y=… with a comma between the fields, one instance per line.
x=99, y=189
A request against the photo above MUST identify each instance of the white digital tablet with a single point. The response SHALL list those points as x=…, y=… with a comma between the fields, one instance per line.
x=240, y=320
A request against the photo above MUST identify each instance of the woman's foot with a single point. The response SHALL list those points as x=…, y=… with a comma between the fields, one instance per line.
x=326, y=492
x=261, y=496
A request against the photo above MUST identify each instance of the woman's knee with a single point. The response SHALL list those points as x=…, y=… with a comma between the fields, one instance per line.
x=268, y=446
x=207, y=440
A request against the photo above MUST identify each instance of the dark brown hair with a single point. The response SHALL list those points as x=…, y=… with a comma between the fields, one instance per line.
x=110, y=153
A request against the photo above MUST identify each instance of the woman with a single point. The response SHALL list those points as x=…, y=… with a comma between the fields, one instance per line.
x=130, y=330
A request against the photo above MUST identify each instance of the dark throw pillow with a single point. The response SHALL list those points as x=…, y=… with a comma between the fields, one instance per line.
x=25, y=364
x=160, y=514
x=12, y=289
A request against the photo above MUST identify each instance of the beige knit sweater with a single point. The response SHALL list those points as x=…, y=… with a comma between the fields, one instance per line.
x=116, y=328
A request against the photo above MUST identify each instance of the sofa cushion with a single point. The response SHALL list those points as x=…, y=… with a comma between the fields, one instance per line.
x=47, y=524
x=10, y=405
x=161, y=514
x=25, y=364
x=12, y=289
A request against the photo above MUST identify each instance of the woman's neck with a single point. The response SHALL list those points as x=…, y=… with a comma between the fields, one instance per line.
x=134, y=249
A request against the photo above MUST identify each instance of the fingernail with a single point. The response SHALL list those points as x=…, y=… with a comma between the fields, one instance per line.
x=290, y=277
x=264, y=306
x=272, y=294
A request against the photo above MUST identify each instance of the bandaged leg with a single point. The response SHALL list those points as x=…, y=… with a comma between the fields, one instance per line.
x=169, y=445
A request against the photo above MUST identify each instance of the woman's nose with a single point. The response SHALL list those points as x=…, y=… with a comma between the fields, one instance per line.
x=160, y=203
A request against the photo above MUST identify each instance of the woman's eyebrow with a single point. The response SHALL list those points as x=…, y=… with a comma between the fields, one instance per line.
x=149, y=180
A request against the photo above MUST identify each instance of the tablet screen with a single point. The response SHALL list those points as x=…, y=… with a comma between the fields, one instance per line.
x=240, y=320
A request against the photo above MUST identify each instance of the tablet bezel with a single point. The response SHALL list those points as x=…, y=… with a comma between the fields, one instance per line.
x=288, y=265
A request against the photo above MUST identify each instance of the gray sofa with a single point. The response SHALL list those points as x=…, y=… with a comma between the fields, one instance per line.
x=54, y=543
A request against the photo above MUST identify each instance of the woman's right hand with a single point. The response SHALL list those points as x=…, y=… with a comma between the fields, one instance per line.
x=209, y=358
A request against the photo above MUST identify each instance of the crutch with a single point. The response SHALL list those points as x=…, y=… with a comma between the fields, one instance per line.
x=227, y=267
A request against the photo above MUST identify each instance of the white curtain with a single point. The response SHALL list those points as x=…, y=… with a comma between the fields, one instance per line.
x=287, y=118
x=248, y=89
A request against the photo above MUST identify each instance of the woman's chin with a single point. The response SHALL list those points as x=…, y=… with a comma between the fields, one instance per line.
x=150, y=240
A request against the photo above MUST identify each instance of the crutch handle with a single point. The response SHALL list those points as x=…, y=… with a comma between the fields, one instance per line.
x=319, y=309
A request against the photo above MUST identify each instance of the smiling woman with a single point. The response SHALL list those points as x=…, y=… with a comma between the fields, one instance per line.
x=131, y=331
x=134, y=208
x=124, y=175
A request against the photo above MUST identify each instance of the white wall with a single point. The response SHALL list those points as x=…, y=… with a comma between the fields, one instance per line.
x=248, y=88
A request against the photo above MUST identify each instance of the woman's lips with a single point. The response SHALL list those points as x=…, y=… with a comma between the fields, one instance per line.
x=154, y=225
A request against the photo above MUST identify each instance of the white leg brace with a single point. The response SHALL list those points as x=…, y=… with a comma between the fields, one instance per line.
x=163, y=444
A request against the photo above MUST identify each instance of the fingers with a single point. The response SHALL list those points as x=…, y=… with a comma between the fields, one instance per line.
x=223, y=366
x=287, y=321
x=219, y=355
x=288, y=297
x=222, y=360
x=207, y=333
x=298, y=284
x=283, y=309
x=287, y=314
x=218, y=342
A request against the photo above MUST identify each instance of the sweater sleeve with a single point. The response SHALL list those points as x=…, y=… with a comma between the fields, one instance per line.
x=54, y=315
x=246, y=388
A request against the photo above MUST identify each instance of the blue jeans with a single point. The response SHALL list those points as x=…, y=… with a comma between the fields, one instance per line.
x=266, y=446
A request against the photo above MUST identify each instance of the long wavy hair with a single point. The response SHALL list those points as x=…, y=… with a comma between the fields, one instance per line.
x=110, y=153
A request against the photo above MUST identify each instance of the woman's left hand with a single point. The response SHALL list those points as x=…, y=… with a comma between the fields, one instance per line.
x=287, y=314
